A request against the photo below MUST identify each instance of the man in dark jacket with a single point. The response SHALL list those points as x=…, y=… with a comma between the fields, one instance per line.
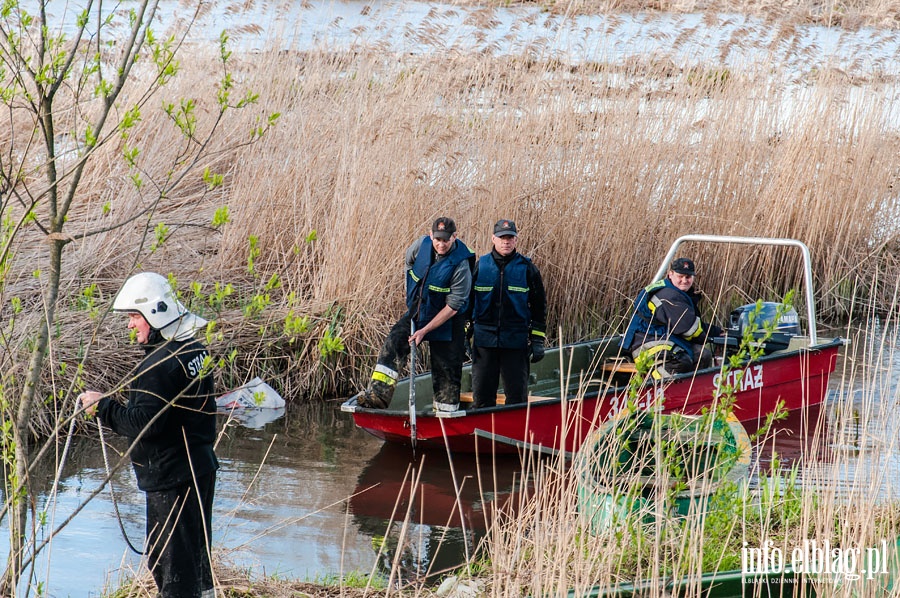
x=170, y=419
x=438, y=284
x=666, y=323
x=508, y=320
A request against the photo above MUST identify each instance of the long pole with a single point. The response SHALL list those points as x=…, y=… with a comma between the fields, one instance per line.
x=412, y=386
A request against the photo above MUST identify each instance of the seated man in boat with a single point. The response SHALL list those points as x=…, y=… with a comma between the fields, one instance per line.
x=666, y=323
x=438, y=285
x=509, y=310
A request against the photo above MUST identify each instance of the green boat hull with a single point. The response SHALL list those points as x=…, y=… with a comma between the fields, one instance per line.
x=632, y=460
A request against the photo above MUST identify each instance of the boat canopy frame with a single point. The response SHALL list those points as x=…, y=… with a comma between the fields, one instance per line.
x=776, y=242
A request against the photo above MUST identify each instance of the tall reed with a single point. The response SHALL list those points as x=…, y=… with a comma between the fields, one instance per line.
x=602, y=164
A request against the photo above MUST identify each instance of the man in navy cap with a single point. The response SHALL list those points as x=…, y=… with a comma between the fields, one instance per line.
x=508, y=319
x=666, y=323
x=438, y=285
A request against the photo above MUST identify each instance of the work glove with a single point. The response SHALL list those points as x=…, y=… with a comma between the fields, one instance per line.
x=537, y=349
x=714, y=331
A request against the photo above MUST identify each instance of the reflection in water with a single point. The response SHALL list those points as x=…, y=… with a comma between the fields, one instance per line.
x=427, y=515
x=800, y=438
x=847, y=447
x=255, y=418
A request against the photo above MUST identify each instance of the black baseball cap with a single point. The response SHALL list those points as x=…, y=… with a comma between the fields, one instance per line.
x=505, y=228
x=683, y=265
x=443, y=228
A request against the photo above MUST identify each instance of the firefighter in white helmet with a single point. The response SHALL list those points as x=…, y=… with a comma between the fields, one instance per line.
x=170, y=413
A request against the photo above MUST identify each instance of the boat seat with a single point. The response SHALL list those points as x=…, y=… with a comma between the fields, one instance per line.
x=799, y=342
x=619, y=366
x=466, y=397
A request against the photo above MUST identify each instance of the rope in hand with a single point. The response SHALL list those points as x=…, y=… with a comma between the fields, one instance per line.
x=112, y=492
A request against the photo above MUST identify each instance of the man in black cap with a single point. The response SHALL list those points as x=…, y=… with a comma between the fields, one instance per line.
x=438, y=286
x=666, y=323
x=508, y=319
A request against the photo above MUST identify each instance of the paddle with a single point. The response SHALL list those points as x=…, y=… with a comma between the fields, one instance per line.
x=412, y=386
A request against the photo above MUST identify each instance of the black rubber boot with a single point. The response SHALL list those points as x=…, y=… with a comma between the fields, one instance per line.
x=377, y=396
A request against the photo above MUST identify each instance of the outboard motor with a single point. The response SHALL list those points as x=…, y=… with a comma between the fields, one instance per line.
x=788, y=324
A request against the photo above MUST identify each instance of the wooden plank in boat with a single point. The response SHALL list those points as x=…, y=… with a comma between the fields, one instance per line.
x=620, y=366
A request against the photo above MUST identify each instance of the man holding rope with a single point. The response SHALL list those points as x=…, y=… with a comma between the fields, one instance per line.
x=170, y=419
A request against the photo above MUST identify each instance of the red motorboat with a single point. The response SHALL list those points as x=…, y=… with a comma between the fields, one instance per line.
x=578, y=386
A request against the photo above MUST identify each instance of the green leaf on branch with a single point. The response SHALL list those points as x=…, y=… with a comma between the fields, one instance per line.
x=212, y=179
x=183, y=116
x=103, y=89
x=253, y=254
x=258, y=303
x=249, y=98
x=220, y=293
x=295, y=326
x=161, y=233
x=330, y=344
x=221, y=217
x=90, y=138
x=224, y=52
x=224, y=92
x=261, y=130
x=131, y=155
x=163, y=56
x=129, y=120
x=87, y=300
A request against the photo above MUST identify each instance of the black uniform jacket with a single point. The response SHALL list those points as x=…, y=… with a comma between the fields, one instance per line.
x=171, y=407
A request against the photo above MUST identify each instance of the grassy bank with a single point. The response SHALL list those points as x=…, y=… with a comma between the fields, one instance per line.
x=602, y=164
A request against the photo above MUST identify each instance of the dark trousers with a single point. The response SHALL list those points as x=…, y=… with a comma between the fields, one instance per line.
x=446, y=357
x=179, y=526
x=490, y=366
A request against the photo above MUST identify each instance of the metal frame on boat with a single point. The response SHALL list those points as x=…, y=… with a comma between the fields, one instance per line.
x=578, y=386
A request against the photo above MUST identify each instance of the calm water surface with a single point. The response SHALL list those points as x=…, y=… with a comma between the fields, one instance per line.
x=306, y=496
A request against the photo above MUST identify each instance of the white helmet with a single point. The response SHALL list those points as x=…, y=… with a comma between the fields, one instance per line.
x=151, y=295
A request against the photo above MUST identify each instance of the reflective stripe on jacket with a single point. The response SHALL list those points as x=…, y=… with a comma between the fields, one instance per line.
x=428, y=284
x=649, y=326
x=501, y=313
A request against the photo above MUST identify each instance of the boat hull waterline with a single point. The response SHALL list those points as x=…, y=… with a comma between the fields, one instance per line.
x=794, y=379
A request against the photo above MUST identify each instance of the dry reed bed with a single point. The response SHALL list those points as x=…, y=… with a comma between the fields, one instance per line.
x=602, y=166
x=848, y=14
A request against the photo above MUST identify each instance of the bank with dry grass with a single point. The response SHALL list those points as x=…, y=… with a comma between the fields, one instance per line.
x=601, y=164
